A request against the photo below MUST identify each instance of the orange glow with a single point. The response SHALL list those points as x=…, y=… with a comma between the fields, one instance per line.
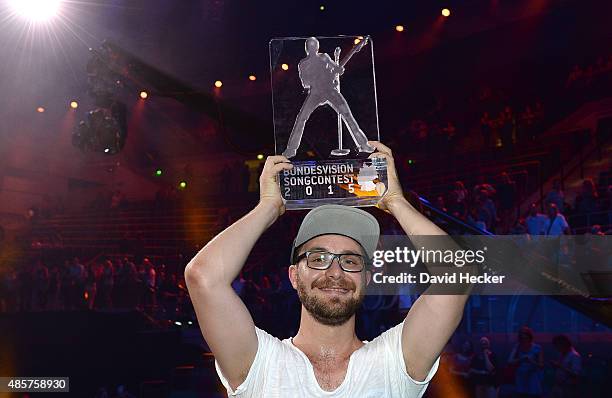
x=399, y=28
x=285, y=67
x=252, y=78
x=40, y=109
x=144, y=95
x=218, y=83
x=74, y=104
x=446, y=12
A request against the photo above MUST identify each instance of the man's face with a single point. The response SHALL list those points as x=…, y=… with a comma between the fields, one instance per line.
x=331, y=296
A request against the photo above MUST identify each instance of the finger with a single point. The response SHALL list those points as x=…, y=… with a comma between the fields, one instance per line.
x=380, y=155
x=274, y=159
x=380, y=147
x=277, y=168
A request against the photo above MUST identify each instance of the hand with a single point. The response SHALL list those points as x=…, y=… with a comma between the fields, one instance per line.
x=269, y=190
x=394, y=191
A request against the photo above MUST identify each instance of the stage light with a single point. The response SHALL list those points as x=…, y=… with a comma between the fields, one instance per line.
x=177, y=323
x=322, y=7
x=252, y=78
x=446, y=12
x=106, y=150
x=36, y=10
x=218, y=83
x=158, y=172
x=357, y=41
x=285, y=67
x=260, y=156
x=144, y=95
x=74, y=104
x=399, y=28
x=40, y=109
x=182, y=185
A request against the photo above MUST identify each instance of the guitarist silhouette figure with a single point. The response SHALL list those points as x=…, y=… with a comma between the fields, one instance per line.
x=319, y=74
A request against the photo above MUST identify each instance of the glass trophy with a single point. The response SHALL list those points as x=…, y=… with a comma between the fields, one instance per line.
x=325, y=112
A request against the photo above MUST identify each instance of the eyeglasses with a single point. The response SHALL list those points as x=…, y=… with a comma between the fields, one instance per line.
x=321, y=260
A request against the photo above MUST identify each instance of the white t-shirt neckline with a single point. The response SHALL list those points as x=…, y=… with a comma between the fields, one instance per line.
x=313, y=377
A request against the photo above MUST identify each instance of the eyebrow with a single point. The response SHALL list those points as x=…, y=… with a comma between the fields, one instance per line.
x=313, y=249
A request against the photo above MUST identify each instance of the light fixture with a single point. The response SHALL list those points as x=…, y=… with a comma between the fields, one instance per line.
x=36, y=10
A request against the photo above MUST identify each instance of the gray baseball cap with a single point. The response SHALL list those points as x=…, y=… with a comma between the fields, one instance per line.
x=340, y=220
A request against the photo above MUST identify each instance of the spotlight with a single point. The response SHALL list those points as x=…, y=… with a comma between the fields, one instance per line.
x=260, y=156
x=285, y=67
x=40, y=109
x=74, y=104
x=322, y=8
x=182, y=185
x=218, y=83
x=252, y=78
x=446, y=12
x=399, y=28
x=144, y=95
x=36, y=10
x=158, y=172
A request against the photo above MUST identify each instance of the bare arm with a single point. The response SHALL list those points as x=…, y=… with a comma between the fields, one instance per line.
x=224, y=320
x=433, y=318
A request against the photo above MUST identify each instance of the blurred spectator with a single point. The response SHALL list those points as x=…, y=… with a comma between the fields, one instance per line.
x=556, y=195
x=567, y=369
x=506, y=195
x=460, y=366
x=555, y=224
x=586, y=201
x=535, y=221
x=527, y=360
x=483, y=369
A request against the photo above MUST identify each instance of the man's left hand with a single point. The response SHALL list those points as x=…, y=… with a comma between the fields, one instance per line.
x=394, y=192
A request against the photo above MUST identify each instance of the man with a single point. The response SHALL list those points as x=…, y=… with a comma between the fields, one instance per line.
x=318, y=73
x=535, y=221
x=329, y=272
x=555, y=224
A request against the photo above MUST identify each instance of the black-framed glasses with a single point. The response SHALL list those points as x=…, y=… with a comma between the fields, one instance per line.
x=322, y=260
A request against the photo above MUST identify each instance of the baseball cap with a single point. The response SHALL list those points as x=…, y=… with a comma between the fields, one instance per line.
x=340, y=220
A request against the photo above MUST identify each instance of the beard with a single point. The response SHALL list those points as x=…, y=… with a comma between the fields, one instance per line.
x=332, y=312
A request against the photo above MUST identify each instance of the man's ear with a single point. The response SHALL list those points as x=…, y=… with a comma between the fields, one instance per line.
x=293, y=269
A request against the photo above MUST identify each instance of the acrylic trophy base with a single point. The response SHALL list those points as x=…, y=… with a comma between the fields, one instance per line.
x=349, y=182
x=340, y=152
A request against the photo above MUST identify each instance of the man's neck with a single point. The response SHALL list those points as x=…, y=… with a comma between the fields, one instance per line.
x=313, y=336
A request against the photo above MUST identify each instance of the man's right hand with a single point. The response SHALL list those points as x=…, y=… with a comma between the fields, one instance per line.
x=269, y=189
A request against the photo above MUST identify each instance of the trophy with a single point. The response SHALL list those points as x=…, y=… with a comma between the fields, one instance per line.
x=325, y=112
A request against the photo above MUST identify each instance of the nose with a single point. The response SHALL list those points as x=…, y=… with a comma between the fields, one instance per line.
x=334, y=270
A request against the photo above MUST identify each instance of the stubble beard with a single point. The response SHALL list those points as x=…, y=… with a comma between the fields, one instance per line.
x=334, y=312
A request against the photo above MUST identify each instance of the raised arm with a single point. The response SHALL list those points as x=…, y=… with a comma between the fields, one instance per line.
x=433, y=318
x=224, y=320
